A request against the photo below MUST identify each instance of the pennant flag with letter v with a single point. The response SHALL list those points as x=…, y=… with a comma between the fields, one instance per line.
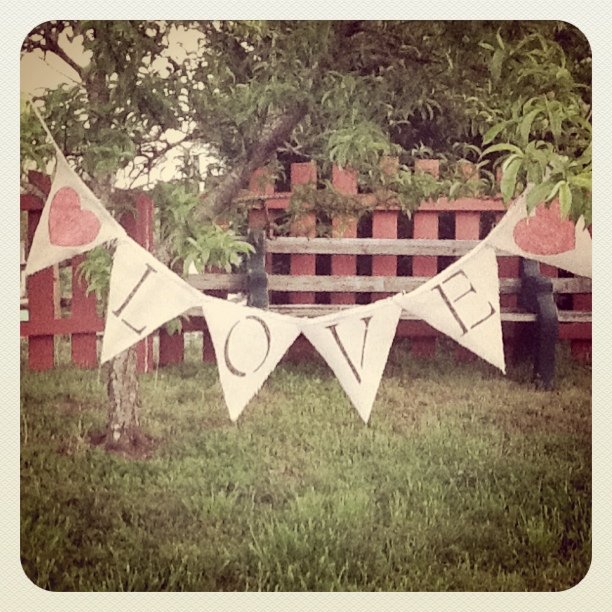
x=543, y=235
x=355, y=344
x=72, y=222
x=463, y=303
x=249, y=343
x=143, y=295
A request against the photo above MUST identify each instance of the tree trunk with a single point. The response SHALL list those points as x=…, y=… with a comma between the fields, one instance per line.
x=123, y=428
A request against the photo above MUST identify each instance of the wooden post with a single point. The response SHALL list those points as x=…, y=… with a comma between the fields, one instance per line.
x=467, y=227
x=303, y=174
x=171, y=347
x=509, y=267
x=139, y=226
x=261, y=183
x=344, y=181
x=83, y=345
x=582, y=347
x=426, y=225
x=208, y=349
x=40, y=305
x=384, y=225
x=57, y=293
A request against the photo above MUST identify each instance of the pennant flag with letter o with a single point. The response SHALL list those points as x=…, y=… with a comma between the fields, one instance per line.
x=249, y=343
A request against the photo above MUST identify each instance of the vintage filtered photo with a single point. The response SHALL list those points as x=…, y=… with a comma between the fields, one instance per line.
x=306, y=306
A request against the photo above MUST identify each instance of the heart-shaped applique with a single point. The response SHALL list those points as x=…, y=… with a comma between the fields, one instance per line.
x=546, y=233
x=69, y=224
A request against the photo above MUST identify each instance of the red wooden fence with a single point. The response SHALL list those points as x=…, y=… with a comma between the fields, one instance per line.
x=82, y=323
x=469, y=216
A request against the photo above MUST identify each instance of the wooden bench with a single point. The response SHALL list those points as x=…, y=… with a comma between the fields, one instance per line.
x=531, y=298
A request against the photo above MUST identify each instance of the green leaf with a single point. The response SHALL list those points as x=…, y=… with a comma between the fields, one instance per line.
x=526, y=124
x=496, y=64
x=565, y=199
x=453, y=190
x=582, y=180
x=537, y=195
x=494, y=131
x=554, y=191
x=500, y=40
x=502, y=146
x=509, y=160
x=508, y=182
x=555, y=120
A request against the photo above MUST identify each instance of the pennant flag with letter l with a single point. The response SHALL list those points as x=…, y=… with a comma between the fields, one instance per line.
x=462, y=302
x=543, y=235
x=72, y=222
x=248, y=343
x=143, y=295
x=355, y=343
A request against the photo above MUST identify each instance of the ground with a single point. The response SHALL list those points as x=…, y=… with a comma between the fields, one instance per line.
x=464, y=480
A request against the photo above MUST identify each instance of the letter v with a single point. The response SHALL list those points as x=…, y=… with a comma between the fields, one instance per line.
x=334, y=332
x=357, y=356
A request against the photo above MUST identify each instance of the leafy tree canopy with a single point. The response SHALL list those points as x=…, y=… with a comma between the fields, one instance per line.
x=515, y=94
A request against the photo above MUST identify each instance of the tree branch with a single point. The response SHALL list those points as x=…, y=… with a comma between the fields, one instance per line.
x=274, y=134
x=51, y=44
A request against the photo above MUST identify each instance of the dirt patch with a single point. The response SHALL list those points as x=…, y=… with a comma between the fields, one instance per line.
x=138, y=448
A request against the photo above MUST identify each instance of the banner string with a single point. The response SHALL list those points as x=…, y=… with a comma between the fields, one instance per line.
x=45, y=127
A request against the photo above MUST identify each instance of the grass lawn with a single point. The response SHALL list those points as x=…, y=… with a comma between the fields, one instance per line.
x=464, y=480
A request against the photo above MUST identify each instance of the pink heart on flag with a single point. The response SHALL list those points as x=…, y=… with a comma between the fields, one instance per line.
x=546, y=233
x=69, y=224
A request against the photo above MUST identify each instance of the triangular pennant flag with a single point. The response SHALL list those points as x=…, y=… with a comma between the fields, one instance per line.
x=355, y=343
x=143, y=295
x=543, y=235
x=73, y=221
x=249, y=343
x=463, y=303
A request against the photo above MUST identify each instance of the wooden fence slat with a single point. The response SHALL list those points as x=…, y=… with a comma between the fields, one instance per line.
x=41, y=348
x=375, y=246
x=576, y=324
x=83, y=345
x=60, y=327
x=384, y=225
x=344, y=181
x=425, y=226
x=303, y=174
x=581, y=348
x=311, y=282
x=467, y=227
x=370, y=246
x=171, y=348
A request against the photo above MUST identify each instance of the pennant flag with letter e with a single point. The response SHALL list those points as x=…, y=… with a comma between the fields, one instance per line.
x=249, y=343
x=462, y=302
x=355, y=344
x=73, y=221
x=543, y=235
x=143, y=295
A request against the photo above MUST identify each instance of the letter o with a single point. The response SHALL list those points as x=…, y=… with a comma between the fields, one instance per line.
x=230, y=366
